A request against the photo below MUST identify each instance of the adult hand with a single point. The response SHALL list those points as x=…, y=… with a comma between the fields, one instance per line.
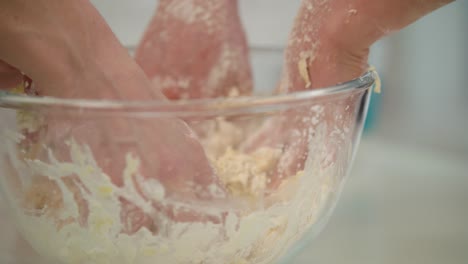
x=68, y=51
x=196, y=49
x=329, y=44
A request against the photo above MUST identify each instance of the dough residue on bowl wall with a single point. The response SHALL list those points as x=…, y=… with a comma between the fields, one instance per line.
x=49, y=207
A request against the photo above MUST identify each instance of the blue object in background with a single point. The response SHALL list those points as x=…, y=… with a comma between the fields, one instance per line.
x=374, y=111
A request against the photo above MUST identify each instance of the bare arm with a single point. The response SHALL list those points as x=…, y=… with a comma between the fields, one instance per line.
x=66, y=47
x=69, y=51
x=333, y=37
x=365, y=22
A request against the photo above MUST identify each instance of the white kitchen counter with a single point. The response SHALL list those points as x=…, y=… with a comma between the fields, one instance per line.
x=400, y=205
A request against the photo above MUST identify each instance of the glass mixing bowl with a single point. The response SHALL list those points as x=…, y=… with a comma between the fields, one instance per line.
x=280, y=162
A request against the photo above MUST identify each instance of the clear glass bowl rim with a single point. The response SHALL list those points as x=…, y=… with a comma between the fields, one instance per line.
x=190, y=107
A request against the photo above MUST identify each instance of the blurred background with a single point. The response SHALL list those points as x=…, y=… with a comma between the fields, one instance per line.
x=406, y=200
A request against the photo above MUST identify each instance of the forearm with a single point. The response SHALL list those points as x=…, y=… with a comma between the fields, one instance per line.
x=331, y=38
x=363, y=22
x=57, y=38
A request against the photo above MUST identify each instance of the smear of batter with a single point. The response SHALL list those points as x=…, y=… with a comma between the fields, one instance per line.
x=49, y=207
